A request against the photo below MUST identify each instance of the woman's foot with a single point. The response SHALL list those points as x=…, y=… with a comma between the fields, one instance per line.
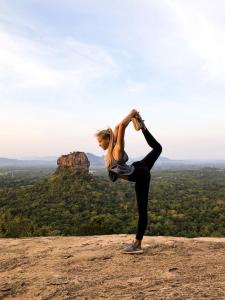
x=136, y=123
x=133, y=248
x=140, y=121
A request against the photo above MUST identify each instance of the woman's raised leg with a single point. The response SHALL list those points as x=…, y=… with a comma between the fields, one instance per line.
x=152, y=156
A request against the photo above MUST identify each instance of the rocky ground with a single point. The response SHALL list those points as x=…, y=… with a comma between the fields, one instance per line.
x=93, y=267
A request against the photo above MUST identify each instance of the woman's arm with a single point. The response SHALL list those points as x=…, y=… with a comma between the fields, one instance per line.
x=115, y=133
x=121, y=129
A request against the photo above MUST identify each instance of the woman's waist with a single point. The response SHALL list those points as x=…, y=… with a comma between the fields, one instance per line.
x=121, y=167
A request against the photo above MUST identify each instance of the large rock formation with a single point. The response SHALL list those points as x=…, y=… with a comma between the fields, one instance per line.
x=93, y=267
x=75, y=161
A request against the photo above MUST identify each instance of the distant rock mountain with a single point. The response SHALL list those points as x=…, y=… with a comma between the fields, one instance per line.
x=35, y=157
x=76, y=161
x=95, y=159
x=9, y=162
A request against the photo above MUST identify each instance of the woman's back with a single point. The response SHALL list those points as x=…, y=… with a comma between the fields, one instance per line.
x=119, y=167
x=123, y=159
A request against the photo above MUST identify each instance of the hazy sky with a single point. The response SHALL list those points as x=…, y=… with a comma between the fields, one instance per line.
x=69, y=68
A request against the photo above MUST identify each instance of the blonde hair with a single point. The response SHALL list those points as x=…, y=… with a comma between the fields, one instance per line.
x=104, y=133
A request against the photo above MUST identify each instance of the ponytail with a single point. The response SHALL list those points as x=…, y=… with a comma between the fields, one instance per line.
x=110, y=148
x=107, y=133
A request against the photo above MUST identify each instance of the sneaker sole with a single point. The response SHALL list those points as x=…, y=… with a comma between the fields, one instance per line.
x=133, y=252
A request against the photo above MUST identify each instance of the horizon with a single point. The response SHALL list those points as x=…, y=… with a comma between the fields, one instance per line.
x=49, y=157
x=69, y=69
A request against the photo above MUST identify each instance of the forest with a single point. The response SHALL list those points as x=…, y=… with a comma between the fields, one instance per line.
x=187, y=203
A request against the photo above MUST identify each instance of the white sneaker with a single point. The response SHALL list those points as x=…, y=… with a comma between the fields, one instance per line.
x=138, y=122
x=133, y=248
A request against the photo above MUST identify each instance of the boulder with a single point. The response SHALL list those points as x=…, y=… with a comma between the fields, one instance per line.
x=74, y=161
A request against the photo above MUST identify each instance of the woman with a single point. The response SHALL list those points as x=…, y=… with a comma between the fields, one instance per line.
x=138, y=171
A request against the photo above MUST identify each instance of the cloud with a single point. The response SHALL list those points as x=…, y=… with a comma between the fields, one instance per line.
x=205, y=39
x=136, y=87
x=31, y=62
x=66, y=64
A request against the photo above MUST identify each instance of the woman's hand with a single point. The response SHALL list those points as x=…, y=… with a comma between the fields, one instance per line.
x=128, y=118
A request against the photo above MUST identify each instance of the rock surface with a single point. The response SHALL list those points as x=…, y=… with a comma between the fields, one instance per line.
x=74, y=161
x=93, y=267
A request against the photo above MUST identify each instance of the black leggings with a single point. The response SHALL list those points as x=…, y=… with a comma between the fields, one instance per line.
x=142, y=176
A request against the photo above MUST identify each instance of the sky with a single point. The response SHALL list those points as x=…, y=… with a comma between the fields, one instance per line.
x=71, y=67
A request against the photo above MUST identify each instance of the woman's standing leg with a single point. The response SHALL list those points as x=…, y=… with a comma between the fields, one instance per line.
x=142, y=190
x=142, y=177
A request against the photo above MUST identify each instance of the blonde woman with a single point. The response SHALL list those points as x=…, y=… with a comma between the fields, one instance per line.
x=138, y=171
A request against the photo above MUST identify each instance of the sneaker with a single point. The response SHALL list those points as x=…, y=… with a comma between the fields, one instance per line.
x=138, y=122
x=133, y=248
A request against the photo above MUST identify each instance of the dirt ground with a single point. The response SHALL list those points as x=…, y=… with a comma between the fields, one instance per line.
x=93, y=267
